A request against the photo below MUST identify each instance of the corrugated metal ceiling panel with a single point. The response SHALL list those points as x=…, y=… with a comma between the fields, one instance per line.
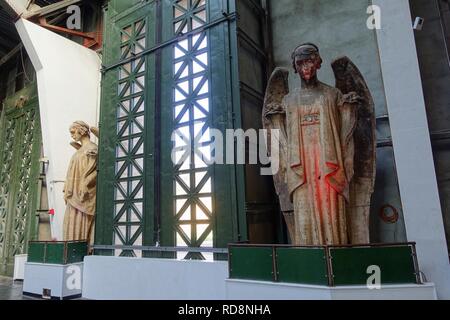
x=8, y=34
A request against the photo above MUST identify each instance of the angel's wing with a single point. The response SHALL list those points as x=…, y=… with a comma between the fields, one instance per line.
x=349, y=79
x=274, y=117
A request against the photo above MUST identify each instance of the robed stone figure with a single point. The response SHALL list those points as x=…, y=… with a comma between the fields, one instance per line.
x=324, y=183
x=80, y=186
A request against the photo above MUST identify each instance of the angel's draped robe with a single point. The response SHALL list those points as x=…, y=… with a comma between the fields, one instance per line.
x=80, y=194
x=320, y=126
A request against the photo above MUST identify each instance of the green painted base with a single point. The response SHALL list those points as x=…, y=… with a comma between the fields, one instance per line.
x=57, y=252
x=326, y=266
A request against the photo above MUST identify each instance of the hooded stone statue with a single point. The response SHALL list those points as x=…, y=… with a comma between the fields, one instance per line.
x=80, y=186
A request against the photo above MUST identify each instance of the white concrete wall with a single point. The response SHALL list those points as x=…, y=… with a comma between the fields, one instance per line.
x=412, y=145
x=113, y=278
x=68, y=78
x=256, y=290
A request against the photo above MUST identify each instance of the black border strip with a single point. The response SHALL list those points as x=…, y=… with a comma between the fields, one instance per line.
x=39, y=296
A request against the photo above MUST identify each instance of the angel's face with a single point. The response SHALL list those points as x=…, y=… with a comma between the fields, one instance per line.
x=307, y=68
x=75, y=134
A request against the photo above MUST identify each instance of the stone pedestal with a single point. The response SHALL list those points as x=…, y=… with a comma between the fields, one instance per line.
x=53, y=281
x=19, y=266
x=258, y=290
x=113, y=278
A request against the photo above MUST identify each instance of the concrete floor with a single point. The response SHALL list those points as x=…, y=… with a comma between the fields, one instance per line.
x=11, y=290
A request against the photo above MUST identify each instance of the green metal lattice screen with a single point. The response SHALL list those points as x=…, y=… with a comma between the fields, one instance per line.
x=129, y=172
x=192, y=139
x=164, y=88
x=20, y=143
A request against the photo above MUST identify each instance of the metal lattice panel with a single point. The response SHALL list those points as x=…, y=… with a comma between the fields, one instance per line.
x=22, y=203
x=129, y=186
x=191, y=106
x=161, y=80
x=5, y=178
x=19, y=170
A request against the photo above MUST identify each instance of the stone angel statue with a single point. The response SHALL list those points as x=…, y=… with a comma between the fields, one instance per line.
x=80, y=186
x=327, y=148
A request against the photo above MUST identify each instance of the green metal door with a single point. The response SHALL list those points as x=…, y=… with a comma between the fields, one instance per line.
x=20, y=142
x=168, y=63
x=124, y=214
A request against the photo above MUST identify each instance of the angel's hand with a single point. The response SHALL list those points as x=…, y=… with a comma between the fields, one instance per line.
x=95, y=131
x=352, y=98
x=76, y=145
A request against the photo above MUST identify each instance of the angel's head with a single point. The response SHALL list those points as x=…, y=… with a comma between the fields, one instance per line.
x=78, y=130
x=306, y=60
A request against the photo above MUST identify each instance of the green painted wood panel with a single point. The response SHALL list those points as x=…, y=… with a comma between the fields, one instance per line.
x=302, y=265
x=76, y=251
x=251, y=263
x=60, y=253
x=350, y=265
x=55, y=253
x=36, y=252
